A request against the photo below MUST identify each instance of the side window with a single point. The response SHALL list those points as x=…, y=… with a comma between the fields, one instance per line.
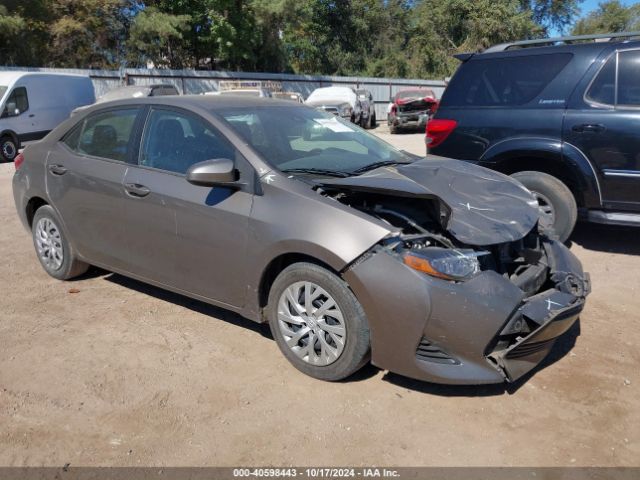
x=17, y=103
x=174, y=141
x=629, y=78
x=105, y=134
x=603, y=88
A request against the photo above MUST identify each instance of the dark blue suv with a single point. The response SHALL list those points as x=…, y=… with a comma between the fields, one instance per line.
x=561, y=115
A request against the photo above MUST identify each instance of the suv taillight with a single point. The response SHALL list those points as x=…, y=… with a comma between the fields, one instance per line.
x=17, y=162
x=438, y=129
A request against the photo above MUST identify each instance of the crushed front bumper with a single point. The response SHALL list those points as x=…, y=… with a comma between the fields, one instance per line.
x=410, y=119
x=485, y=330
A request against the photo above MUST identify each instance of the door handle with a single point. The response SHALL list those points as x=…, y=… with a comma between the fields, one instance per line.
x=136, y=190
x=32, y=115
x=589, y=127
x=57, y=169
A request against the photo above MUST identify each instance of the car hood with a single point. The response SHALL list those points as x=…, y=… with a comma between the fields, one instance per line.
x=486, y=207
x=328, y=102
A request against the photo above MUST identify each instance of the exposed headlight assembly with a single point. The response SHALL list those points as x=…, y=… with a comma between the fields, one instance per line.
x=445, y=263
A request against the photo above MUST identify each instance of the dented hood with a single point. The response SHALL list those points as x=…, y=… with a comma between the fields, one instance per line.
x=486, y=207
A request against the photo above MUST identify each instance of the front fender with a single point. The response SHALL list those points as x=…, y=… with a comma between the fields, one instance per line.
x=504, y=156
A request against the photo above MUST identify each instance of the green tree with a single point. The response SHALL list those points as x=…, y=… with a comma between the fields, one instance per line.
x=86, y=33
x=557, y=14
x=611, y=16
x=444, y=28
x=158, y=37
x=23, y=32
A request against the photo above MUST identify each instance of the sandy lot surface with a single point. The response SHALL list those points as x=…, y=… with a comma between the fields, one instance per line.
x=121, y=373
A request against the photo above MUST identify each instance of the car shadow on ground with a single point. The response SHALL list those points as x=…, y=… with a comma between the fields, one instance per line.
x=606, y=238
x=183, y=301
x=561, y=348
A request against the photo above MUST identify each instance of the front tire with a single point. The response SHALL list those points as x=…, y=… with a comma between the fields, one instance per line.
x=558, y=207
x=317, y=322
x=8, y=149
x=52, y=247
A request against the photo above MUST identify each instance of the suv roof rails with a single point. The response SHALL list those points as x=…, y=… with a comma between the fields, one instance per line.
x=560, y=40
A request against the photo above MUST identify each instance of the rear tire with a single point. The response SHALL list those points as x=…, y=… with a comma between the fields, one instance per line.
x=53, y=249
x=374, y=123
x=8, y=149
x=339, y=335
x=557, y=203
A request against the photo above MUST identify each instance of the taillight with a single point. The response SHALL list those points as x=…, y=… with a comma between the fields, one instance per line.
x=17, y=162
x=438, y=130
x=394, y=109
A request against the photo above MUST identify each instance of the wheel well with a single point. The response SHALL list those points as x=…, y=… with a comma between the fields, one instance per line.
x=277, y=265
x=545, y=165
x=14, y=137
x=32, y=206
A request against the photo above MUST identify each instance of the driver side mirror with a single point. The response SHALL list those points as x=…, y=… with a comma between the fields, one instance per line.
x=219, y=171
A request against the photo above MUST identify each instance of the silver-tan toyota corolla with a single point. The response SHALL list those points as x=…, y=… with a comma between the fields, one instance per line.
x=350, y=249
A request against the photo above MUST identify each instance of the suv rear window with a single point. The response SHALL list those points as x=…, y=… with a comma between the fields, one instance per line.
x=504, y=81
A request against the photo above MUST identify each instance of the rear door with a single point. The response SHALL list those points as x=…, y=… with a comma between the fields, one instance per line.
x=604, y=123
x=180, y=235
x=84, y=178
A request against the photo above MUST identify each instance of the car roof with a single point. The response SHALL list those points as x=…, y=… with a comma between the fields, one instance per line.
x=590, y=48
x=12, y=76
x=206, y=102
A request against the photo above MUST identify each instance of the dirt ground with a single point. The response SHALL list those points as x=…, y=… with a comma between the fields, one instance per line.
x=121, y=373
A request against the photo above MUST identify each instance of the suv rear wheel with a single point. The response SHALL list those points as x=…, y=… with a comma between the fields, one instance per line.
x=558, y=207
x=317, y=322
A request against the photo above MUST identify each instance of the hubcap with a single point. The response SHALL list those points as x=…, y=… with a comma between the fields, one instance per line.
x=546, y=208
x=311, y=323
x=8, y=150
x=49, y=244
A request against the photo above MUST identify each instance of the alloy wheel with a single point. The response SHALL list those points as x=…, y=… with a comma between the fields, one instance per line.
x=49, y=244
x=311, y=323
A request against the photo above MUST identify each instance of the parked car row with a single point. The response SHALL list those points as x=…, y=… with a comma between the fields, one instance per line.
x=22, y=91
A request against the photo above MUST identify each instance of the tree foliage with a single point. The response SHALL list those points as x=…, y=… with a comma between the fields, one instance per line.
x=400, y=38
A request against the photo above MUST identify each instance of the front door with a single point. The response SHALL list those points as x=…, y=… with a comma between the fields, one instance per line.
x=180, y=235
x=84, y=181
x=606, y=128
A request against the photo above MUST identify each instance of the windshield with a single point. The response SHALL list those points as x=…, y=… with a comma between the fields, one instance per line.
x=295, y=138
x=3, y=90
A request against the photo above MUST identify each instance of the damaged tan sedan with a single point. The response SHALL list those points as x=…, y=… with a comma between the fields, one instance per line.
x=350, y=249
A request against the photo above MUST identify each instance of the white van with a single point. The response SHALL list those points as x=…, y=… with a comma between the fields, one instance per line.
x=33, y=104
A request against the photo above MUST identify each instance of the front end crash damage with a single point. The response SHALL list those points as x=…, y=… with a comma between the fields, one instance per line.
x=490, y=312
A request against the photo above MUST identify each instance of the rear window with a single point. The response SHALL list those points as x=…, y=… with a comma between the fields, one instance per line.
x=505, y=81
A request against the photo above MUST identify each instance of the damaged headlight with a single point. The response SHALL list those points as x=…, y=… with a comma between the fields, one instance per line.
x=445, y=263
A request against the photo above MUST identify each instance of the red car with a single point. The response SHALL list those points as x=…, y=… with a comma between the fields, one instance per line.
x=411, y=109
